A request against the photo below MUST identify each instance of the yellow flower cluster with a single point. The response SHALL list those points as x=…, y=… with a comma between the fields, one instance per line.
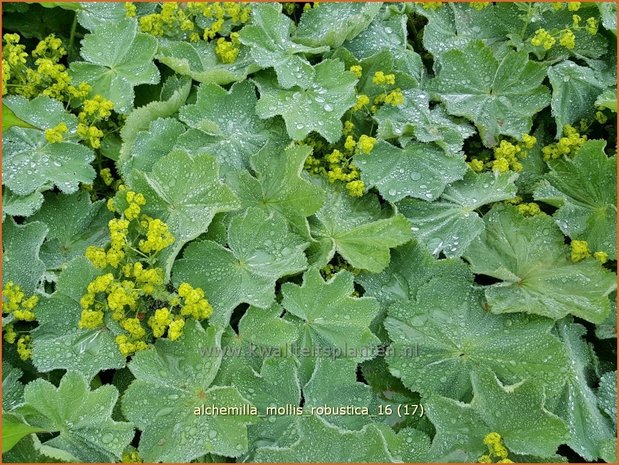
x=393, y=97
x=338, y=264
x=337, y=164
x=94, y=111
x=543, y=38
x=10, y=335
x=181, y=20
x=24, y=347
x=132, y=290
x=146, y=279
x=158, y=237
x=14, y=301
x=382, y=79
x=130, y=10
x=194, y=303
x=362, y=101
x=56, y=134
x=529, y=209
x=106, y=177
x=507, y=155
x=496, y=450
x=479, y=5
x=580, y=250
x=431, y=5
x=567, y=145
x=228, y=51
x=135, y=201
x=567, y=39
x=131, y=454
x=357, y=70
x=42, y=74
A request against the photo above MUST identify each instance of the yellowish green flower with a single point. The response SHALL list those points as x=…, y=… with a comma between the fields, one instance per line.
x=56, y=134
x=543, y=38
x=580, y=250
x=357, y=70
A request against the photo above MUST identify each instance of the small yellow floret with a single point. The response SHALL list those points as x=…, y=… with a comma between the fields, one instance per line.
x=362, y=101
x=543, y=38
x=380, y=78
x=355, y=188
x=24, y=347
x=350, y=143
x=580, y=250
x=91, y=319
x=567, y=39
x=56, y=134
x=601, y=256
x=357, y=70
x=366, y=143
x=528, y=141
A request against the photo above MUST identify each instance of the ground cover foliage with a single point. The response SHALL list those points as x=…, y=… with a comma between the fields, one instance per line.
x=405, y=212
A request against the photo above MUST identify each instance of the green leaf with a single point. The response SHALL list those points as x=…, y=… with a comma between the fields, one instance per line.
x=607, y=99
x=41, y=112
x=73, y=223
x=455, y=25
x=18, y=205
x=531, y=260
x=149, y=146
x=451, y=223
x=574, y=91
x=608, y=11
x=578, y=405
x=329, y=319
x=320, y=441
x=418, y=170
x=58, y=343
x=359, y=229
x=516, y=412
x=499, y=95
x=30, y=162
x=162, y=399
x=608, y=328
x=29, y=450
x=184, y=191
x=227, y=123
x=584, y=189
x=334, y=383
x=81, y=416
x=14, y=430
x=21, y=245
x=451, y=336
x=332, y=24
x=279, y=186
x=268, y=38
x=318, y=106
x=12, y=387
x=174, y=94
x=9, y=119
x=200, y=62
x=93, y=15
x=257, y=322
x=386, y=32
x=607, y=395
x=117, y=58
x=414, y=120
x=275, y=384
x=260, y=251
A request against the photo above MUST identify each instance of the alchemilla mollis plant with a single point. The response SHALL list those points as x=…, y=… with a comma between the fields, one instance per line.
x=309, y=232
